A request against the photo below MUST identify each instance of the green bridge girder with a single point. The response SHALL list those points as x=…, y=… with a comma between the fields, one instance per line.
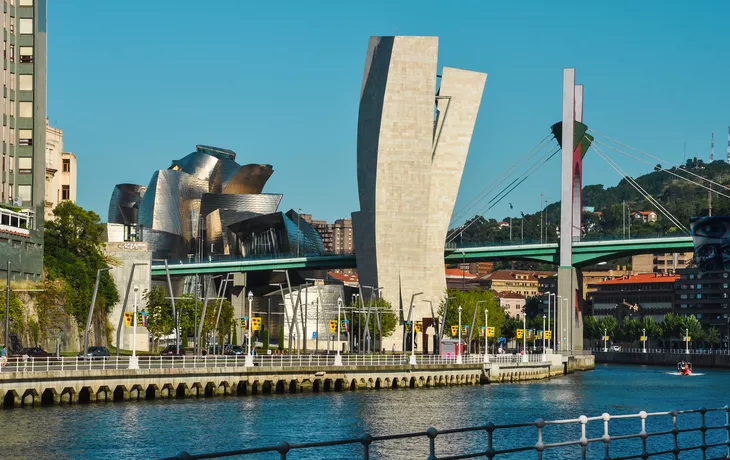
x=584, y=253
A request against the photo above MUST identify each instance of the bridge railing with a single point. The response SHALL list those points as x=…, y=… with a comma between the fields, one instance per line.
x=456, y=245
x=625, y=436
x=47, y=364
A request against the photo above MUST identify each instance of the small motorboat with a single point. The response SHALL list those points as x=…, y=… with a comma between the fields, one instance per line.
x=684, y=368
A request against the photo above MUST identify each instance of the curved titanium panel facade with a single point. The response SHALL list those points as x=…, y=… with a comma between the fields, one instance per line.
x=172, y=203
x=124, y=203
x=256, y=203
x=249, y=179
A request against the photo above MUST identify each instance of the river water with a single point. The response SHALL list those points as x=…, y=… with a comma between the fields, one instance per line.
x=163, y=428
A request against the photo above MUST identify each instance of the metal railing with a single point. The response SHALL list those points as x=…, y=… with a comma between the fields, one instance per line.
x=675, y=351
x=605, y=436
x=48, y=364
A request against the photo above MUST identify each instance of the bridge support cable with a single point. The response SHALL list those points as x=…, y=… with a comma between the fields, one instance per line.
x=537, y=148
x=505, y=192
x=658, y=167
x=659, y=160
x=639, y=188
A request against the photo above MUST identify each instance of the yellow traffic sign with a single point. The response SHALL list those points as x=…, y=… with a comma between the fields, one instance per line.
x=520, y=333
x=454, y=330
x=490, y=331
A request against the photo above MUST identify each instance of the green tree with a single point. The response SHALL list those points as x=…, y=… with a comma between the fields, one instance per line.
x=608, y=325
x=266, y=339
x=388, y=318
x=74, y=251
x=713, y=336
x=159, y=312
x=631, y=330
x=468, y=302
x=17, y=316
x=591, y=329
x=281, y=337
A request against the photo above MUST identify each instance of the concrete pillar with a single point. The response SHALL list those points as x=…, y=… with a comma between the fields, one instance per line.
x=306, y=386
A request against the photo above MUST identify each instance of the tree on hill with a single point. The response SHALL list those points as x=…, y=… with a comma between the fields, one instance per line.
x=74, y=251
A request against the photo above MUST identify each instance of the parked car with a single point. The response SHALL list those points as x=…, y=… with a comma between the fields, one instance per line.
x=615, y=348
x=235, y=350
x=32, y=352
x=171, y=350
x=95, y=353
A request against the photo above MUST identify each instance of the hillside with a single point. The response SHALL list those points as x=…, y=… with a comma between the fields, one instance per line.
x=681, y=198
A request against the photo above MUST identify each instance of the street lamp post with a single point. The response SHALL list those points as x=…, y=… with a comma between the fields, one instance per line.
x=249, y=356
x=458, y=349
x=543, y=333
x=91, y=311
x=413, y=340
x=486, y=335
x=524, y=338
x=565, y=326
x=544, y=330
x=338, y=357
x=686, y=341
x=134, y=360
x=605, y=340
x=644, y=332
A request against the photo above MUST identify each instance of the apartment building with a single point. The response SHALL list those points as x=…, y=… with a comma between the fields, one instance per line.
x=635, y=296
x=661, y=263
x=519, y=281
x=23, y=106
x=60, y=172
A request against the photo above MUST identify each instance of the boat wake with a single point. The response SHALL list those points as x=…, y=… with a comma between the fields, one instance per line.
x=679, y=373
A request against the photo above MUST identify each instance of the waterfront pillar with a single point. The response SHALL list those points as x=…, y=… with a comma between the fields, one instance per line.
x=338, y=357
x=249, y=356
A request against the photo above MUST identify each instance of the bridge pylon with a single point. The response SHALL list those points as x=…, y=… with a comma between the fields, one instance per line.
x=570, y=320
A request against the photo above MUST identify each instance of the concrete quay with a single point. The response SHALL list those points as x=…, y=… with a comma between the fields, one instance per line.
x=59, y=387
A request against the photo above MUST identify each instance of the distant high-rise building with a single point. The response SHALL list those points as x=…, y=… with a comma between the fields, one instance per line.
x=22, y=187
x=342, y=237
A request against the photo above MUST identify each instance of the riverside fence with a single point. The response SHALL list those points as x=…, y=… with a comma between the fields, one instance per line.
x=678, y=434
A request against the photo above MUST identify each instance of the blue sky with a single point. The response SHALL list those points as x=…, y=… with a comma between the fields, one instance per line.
x=134, y=87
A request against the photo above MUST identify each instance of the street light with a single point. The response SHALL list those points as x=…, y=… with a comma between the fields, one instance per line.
x=249, y=356
x=338, y=357
x=134, y=360
x=686, y=341
x=543, y=333
x=644, y=332
x=524, y=337
x=565, y=325
x=458, y=354
x=605, y=340
x=486, y=329
x=91, y=311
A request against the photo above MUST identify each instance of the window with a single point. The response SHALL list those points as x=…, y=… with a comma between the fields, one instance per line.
x=25, y=165
x=25, y=26
x=66, y=165
x=12, y=136
x=12, y=25
x=25, y=137
x=25, y=110
x=25, y=3
x=699, y=286
x=25, y=83
x=65, y=192
x=12, y=53
x=12, y=109
x=12, y=81
x=24, y=192
x=25, y=54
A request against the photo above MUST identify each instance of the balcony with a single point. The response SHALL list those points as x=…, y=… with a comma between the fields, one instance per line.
x=16, y=222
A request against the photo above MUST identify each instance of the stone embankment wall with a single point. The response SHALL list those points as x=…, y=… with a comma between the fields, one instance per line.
x=84, y=386
x=665, y=359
